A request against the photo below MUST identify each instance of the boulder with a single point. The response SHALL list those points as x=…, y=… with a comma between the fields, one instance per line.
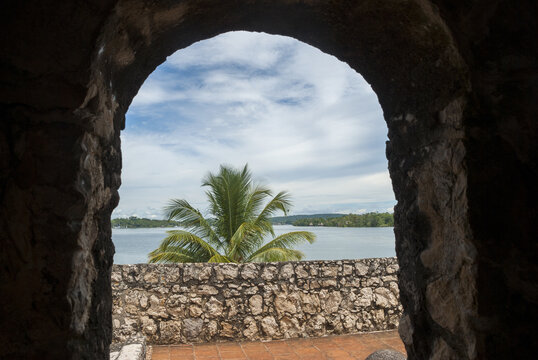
x=386, y=354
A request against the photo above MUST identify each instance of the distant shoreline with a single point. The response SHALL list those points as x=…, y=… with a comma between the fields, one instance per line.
x=316, y=222
x=371, y=219
x=367, y=220
x=316, y=226
x=134, y=222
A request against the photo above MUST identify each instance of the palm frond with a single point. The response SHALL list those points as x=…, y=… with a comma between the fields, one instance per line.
x=281, y=202
x=228, y=195
x=175, y=254
x=189, y=242
x=192, y=219
x=170, y=257
x=285, y=241
x=244, y=241
x=277, y=254
x=219, y=259
x=255, y=201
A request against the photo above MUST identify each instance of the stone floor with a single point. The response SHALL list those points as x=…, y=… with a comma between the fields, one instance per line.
x=343, y=347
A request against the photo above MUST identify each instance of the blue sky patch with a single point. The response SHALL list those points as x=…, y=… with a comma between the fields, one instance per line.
x=304, y=121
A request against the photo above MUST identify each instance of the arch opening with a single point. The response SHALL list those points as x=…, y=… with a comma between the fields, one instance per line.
x=302, y=120
x=305, y=123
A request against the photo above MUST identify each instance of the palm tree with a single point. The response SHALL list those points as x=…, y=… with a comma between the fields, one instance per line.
x=238, y=224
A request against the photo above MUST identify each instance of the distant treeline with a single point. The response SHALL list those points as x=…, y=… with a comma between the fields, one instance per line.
x=372, y=219
x=136, y=222
x=290, y=219
x=338, y=220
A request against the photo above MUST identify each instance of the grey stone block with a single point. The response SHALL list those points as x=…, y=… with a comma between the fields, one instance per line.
x=386, y=354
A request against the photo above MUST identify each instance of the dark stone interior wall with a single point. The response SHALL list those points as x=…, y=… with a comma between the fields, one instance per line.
x=458, y=86
x=498, y=39
x=57, y=185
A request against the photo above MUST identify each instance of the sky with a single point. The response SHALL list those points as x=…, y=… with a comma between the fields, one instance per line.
x=304, y=122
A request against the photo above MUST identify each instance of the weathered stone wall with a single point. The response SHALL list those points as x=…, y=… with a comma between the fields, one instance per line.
x=207, y=302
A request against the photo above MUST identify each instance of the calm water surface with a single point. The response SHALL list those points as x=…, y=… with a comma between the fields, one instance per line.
x=133, y=245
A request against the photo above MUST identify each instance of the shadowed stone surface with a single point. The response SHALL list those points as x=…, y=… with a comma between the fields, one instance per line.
x=457, y=81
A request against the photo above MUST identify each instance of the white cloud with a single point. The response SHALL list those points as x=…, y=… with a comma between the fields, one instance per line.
x=255, y=50
x=304, y=122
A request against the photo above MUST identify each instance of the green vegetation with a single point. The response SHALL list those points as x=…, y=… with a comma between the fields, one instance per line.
x=237, y=227
x=338, y=220
x=135, y=222
x=290, y=219
x=372, y=219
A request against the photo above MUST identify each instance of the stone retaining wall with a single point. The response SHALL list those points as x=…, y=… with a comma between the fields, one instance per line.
x=210, y=302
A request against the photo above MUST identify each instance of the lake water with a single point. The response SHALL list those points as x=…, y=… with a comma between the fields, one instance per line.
x=332, y=243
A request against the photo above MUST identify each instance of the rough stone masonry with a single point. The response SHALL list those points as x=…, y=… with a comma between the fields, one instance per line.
x=180, y=303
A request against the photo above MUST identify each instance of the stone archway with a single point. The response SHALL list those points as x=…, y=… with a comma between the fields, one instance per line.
x=411, y=62
x=71, y=75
